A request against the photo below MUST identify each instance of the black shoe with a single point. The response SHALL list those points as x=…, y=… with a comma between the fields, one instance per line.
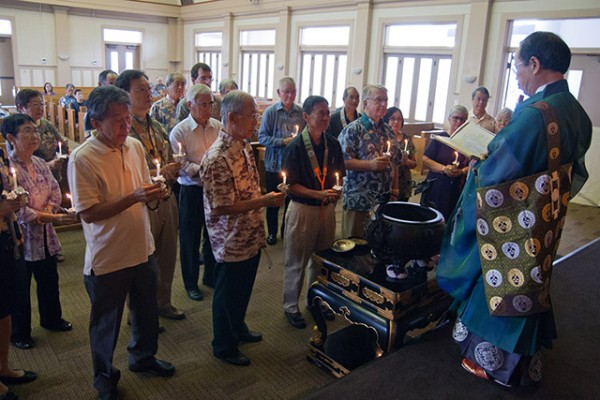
x=27, y=377
x=296, y=320
x=24, y=344
x=156, y=367
x=240, y=360
x=62, y=326
x=251, y=337
x=195, y=294
x=271, y=239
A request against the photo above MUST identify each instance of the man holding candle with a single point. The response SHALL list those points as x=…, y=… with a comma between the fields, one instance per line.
x=164, y=217
x=277, y=127
x=313, y=163
x=111, y=187
x=233, y=205
x=369, y=179
x=194, y=135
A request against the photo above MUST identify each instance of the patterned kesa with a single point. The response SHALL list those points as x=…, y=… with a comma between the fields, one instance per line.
x=153, y=138
x=164, y=111
x=519, y=224
x=362, y=140
x=49, y=138
x=44, y=194
x=229, y=173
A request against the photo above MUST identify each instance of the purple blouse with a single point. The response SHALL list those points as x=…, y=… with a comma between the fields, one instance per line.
x=44, y=195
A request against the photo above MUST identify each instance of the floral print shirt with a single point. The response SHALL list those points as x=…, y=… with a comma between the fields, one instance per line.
x=164, y=111
x=229, y=174
x=363, y=140
x=44, y=195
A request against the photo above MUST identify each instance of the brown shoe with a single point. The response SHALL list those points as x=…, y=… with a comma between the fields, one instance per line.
x=475, y=369
x=171, y=312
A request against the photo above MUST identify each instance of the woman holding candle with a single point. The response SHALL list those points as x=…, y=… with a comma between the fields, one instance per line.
x=30, y=102
x=36, y=219
x=394, y=118
x=11, y=270
x=447, y=169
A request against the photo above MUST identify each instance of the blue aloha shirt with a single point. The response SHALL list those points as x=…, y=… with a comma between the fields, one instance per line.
x=362, y=139
x=164, y=111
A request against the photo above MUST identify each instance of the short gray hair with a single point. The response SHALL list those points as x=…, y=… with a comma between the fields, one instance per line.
x=174, y=76
x=227, y=83
x=505, y=111
x=195, y=90
x=458, y=109
x=103, y=96
x=367, y=90
x=233, y=101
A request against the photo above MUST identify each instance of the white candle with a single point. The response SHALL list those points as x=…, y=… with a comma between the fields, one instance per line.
x=337, y=179
x=157, y=167
x=59, y=148
x=14, y=175
x=455, y=158
x=180, y=149
x=71, y=199
x=405, y=145
x=284, y=177
x=296, y=131
x=388, y=148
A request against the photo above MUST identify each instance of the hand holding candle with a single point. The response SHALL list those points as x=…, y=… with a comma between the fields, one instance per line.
x=13, y=172
x=71, y=200
x=157, y=167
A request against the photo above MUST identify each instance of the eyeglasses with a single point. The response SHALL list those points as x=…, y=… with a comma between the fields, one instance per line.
x=29, y=131
x=515, y=66
x=378, y=100
x=288, y=92
x=36, y=104
x=393, y=119
x=456, y=118
x=146, y=89
x=204, y=105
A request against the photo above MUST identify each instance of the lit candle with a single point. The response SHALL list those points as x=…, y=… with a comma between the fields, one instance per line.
x=405, y=145
x=14, y=175
x=455, y=158
x=157, y=167
x=296, y=131
x=59, y=148
x=180, y=149
x=284, y=177
x=337, y=179
x=71, y=199
x=388, y=148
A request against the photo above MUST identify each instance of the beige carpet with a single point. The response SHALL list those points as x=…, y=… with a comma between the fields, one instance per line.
x=279, y=369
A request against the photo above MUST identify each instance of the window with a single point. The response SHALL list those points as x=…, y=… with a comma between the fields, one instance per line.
x=417, y=66
x=122, y=49
x=208, y=51
x=324, y=62
x=583, y=66
x=257, y=62
x=5, y=27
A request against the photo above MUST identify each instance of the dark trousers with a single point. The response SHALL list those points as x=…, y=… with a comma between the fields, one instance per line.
x=233, y=286
x=45, y=273
x=191, y=228
x=272, y=179
x=107, y=296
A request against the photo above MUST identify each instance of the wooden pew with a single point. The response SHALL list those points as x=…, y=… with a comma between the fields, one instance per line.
x=60, y=120
x=71, y=124
x=81, y=125
x=52, y=112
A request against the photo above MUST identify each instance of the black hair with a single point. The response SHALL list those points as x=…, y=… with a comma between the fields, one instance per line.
x=12, y=123
x=390, y=111
x=311, y=102
x=549, y=48
x=124, y=79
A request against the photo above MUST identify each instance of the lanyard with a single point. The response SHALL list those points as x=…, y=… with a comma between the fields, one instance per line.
x=312, y=157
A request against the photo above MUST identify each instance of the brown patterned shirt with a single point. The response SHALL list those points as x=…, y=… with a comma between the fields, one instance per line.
x=229, y=173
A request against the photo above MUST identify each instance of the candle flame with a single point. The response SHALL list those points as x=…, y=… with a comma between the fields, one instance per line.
x=68, y=196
